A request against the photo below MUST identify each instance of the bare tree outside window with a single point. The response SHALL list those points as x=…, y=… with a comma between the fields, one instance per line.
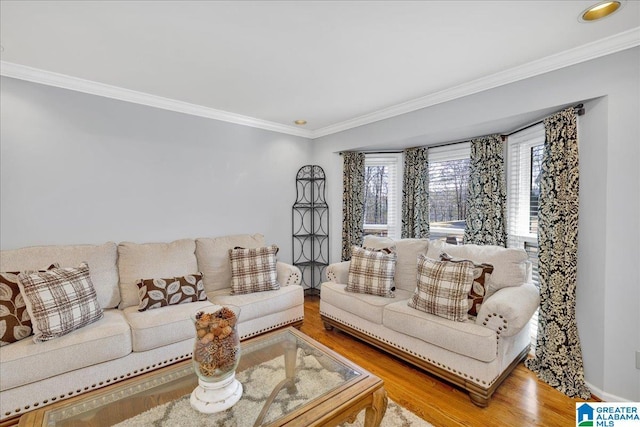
x=448, y=184
x=376, y=186
x=534, y=193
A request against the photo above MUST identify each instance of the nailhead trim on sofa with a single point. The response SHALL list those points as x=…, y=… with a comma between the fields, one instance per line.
x=419, y=356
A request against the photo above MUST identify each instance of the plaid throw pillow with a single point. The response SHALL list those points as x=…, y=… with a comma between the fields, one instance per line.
x=481, y=274
x=15, y=323
x=442, y=288
x=372, y=271
x=59, y=301
x=156, y=293
x=253, y=270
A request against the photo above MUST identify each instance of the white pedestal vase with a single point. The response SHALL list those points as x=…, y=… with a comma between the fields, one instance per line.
x=216, y=354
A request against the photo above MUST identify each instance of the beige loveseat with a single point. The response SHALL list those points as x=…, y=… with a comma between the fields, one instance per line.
x=475, y=354
x=127, y=342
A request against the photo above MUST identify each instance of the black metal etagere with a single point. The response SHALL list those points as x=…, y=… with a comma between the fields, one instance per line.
x=310, y=223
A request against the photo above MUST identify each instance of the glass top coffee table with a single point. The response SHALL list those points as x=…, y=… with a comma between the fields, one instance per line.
x=288, y=379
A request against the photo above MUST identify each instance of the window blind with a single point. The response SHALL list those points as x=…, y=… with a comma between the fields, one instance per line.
x=384, y=190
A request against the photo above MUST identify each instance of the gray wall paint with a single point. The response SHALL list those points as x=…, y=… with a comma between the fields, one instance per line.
x=78, y=168
x=608, y=294
x=82, y=169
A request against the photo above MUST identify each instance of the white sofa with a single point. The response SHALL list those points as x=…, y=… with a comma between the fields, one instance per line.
x=126, y=342
x=476, y=354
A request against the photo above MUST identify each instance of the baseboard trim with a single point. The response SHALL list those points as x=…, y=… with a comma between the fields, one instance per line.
x=603, y=395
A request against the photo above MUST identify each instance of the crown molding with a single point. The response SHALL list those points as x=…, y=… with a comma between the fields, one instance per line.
x=49, y=78
x=616, y=43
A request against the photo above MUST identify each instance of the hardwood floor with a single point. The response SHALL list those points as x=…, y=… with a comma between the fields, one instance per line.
x=522, y=400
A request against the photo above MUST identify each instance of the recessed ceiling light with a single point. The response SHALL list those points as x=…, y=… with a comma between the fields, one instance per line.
x=300, y=122
x=600, y=10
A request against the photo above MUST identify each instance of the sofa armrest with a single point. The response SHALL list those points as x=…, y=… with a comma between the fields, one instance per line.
x=338, y=272
x=509, y=309
x=288, y=274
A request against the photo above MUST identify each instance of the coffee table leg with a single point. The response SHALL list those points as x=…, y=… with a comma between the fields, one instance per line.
x=374, y=414
x=290, y=355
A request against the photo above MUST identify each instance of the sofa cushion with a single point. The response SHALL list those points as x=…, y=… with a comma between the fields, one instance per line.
x=465, y=338
x=213, y=257
x=510, y=265
x=26, y=362
x=151, y=260
x=260, y=304
x=156, y=293
x=59, y=301
x=407, y=251
x=443, y=287
x=481, y=274
x=253, y=269
x=155, y=328
x=371, y=272
x=369, y=307
x=15, y=322
x=100, y=258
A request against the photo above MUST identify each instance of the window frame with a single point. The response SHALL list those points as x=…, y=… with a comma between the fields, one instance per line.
x=394, y=203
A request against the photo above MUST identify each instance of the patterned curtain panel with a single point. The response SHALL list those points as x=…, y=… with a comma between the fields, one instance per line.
x=558, y=358
x=415, y=194
x=352, y=202
x=487, y=194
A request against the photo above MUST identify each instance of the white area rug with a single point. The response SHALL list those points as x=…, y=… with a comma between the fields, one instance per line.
x=258, y=383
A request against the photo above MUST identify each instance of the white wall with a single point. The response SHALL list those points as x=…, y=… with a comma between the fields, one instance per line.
x=77, y=168
x=608, y=293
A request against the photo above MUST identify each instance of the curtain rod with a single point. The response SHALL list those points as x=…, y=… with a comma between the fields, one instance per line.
x=580, y=111
x=579, y=107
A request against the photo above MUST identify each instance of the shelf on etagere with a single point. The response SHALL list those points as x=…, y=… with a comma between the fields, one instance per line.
x=310, y=223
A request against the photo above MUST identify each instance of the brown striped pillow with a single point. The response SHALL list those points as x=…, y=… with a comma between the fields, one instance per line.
x=59, y=301
x=156, y=293
x=372, y=271
x=443, y=287
x=253, y=270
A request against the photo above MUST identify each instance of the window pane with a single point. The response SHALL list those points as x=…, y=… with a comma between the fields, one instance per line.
x=376, y=185
x=534, y=193
x=448, y=183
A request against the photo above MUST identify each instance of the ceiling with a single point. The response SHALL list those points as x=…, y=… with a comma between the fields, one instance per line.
x=336, y=64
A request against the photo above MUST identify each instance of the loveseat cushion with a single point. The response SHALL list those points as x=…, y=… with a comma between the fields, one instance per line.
x=407, y=251
x=259, y=304
x=464, y=338
x=167, y=325
x=100, y=258
x=511, y=266
x=25, y=362
x=369, y=307
x=152, y=260
x=213, y=257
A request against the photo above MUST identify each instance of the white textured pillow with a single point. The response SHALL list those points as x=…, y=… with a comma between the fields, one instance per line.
x=59, y=301
x=149, y=260
x=213, y=257
x=407, y=251
x=371, y=272
x=443, y=287
x=511, y=266
x=253, y=270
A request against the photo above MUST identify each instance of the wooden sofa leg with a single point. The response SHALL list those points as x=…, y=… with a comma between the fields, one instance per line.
x=479, y=400
x=327, y=326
